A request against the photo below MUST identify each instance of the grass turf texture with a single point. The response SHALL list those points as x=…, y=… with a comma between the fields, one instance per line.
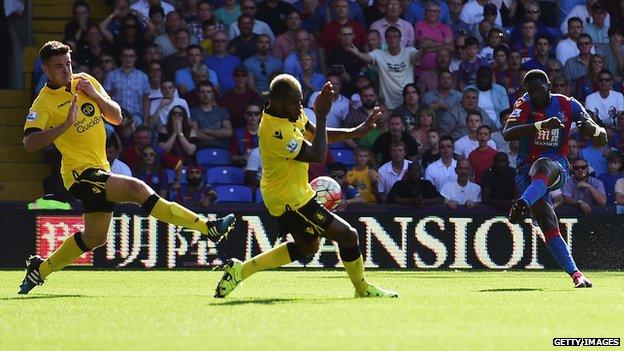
x=307, y=310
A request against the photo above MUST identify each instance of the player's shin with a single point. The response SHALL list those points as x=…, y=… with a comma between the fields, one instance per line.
x=354, y=265
x=559, y=250
x=174, y=213
x=278, y=256
x=67, y=253
x=536, y=190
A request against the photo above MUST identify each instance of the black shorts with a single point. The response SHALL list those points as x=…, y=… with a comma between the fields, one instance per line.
x=90, y=187
x=308, y=222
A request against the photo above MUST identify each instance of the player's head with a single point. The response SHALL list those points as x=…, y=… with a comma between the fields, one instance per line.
x=56, y=62
x=537, y=85
x=285, y=95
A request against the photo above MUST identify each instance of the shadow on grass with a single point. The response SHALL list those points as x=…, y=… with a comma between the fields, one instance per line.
x=273, y=301
x=510, y=290
x=35, y=297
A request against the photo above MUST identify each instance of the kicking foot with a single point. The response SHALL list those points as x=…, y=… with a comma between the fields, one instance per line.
x=376, y=291
x=220, y=228
x=32, y=277
x=581, y=282
x=231, y=278
x=517, y=211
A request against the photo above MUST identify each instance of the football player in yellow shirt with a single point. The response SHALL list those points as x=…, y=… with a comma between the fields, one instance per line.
x=70, y=112
x=285, y=154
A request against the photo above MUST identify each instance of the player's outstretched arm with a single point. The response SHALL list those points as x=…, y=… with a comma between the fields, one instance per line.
x=340, y=134
x=110, y=109
x=35, y=140
x=591, y=129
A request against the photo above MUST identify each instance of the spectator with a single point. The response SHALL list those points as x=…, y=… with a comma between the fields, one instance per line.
x=606, y=103
x=589, y=82
x=443, y=170
x=373, y=40
x=302, y=45
x=130, y=35
x=362, y=176
x=330, y=37
x=582, y=11
x=392, y=171
x=209, y=28
x=468, y=68
x=541, y=57
x=613, y=53
x=392, y=19
x=76, y=29
x=125, y=130
x=553, y=67
x=453, y=123
x=498, y=185
x=526, y=46
x=222, y=62
x=311, y=81
x=244, y=43
x=184, y=77
x=415, y=11
x=458, y=26
x=195, y=193
x=228, y=13
x=143, y=6
x=597, y=29
x=582, y=190
x=382, y=148
x=342, y=59
x=375, y=12
x=502, y=145
x=350, y=195
x=431, y=36
x=461, y=191
x=381, y=127
x=395, y=65
x=152, y=53
x=132, y=155
x=111, y=25
x=613, y=174
x=616, y=141
x=154, y=75
x=444, y=96
x=128, y=86
x=482, y=158
x=179, y=136
x=494, y=38
x=508, y=72
x=431, y=153
x=469, y=142
x=157, y=20
x=263, y=65
x=428, y=80
x=310, y=19
x=533, y=12
x=258, y=27
x=576, y=66
x=285, y=42
x=106, y=62
x=245, y=138
x=567, y=48
x=253, y=170
x=238, y=98
x=573, y=150
x=159, y=110
x=595, y=155
x=213, y=125
x=514, y=147
x=167, y=41
x=561, y=85
x=112, y=155
x=492, y=97
x=472, y=12
x=274, y=13
x=426, y=123
x=358, y=115
x=91, y=47
x=178, y=60
x=340, y=106
x=152, y=174
x=410, y=107
x=205, y=14
x=414, y=191
x=199, y=72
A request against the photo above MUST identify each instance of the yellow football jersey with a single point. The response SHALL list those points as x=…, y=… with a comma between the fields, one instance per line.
x=284, y=180
x=83, y=145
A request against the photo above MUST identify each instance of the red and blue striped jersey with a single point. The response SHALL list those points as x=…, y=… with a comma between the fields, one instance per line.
x=546, y=143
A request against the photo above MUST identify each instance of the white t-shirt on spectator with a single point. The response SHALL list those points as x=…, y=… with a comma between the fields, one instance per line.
x=464, y=146
x=606, y=107
x=395, y=72
x=566, y=49
x=581, y=12
x=338, y=112
x=118, y=167
x=254, y=163
x=143, y=7
x=472, y=13
x=452, y=191
x=164, y=112
x=387, y=176
x=619, y=186
x=438, y=174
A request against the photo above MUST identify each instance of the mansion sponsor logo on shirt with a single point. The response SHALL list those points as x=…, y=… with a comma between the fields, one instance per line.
x=549, y=138
x=396, y=67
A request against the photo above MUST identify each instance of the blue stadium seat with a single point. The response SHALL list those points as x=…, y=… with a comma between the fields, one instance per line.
x=259, y=198
x=225, y=175
x=233, y=193
x=171, y=174
x=213, y=157
x=346, y=156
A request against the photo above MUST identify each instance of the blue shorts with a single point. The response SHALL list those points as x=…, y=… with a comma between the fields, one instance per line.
x=523, y=179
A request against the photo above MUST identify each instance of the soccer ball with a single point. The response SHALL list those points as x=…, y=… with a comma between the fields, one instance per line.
x=328, y=192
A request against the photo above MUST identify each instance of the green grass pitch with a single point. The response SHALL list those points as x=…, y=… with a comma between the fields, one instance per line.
x=308, y=310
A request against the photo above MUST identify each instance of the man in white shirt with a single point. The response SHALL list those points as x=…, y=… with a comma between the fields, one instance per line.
x=472, y=13
x=606, y=103
x=340, y=105
x=392, y=171
x=443, y=170
x=249, y=7
x=143, y=6
x=159, y=110
x=567, y=48
x=462, y=191
x=581, y=11
x=253, y=169
x=395, y=65
x=466, y=144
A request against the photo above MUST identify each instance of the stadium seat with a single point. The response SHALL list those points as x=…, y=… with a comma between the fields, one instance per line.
x=171, y=174
x=213, y=157
x=346, y=156
x=233, y=193
x=225, y=175
x=259, y=198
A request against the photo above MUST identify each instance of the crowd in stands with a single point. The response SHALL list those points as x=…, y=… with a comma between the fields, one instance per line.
x=192, y=79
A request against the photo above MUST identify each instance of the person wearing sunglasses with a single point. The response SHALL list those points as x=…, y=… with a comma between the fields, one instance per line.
x=606, y=103
x=541, y=122
x=245, y=138
x=582, y=190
